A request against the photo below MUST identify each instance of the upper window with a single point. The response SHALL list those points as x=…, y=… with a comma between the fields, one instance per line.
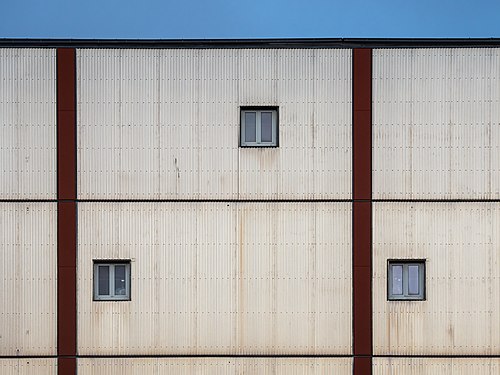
x=112, y=280
x=406, y=280
x=259, y=127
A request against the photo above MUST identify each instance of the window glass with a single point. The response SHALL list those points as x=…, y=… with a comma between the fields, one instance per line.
x=120, y=285
x=413, y=282
x=397, y=280
x=266, y=134
x=250, y=127
x=103, y=273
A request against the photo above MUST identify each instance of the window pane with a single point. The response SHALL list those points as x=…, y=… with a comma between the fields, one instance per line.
x=120, y=285
x=397, y=280
x=103, y=272
x=250, y=135
x=266, y=129
x=413, y=287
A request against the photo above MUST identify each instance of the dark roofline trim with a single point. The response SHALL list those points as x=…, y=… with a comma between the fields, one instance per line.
x=253, y=43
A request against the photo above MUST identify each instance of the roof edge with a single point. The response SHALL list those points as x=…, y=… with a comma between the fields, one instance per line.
x=254, y=43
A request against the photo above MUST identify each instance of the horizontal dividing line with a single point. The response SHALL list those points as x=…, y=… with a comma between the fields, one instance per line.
x=437, y=200
x=214, y=200
x=28, y=200
x=221, y=356
x=451, y=356
x=29, y=356
x=176, y=200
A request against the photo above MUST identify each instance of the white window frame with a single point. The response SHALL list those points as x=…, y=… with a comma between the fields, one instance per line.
x=111, y=282
x=406, y=296
x=258, y=129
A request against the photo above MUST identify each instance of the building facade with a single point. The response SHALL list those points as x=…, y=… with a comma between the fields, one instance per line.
x=250, y=207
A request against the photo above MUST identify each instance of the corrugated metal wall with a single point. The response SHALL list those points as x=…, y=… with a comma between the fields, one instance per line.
x=262, y=278
x=436, y=366
x=28, y=366
x=436, y=123
x=460, y=242
x=218, y=278
x=28, y=277
x=27, y=123
x=215, y=366
x=165, y=123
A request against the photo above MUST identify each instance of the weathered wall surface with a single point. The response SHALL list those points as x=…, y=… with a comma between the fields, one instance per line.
x=164, y=124
x=436, y=366
x=27, y=123
x=218, y=278
x=215, y=366
x=460, y=243
x=436, y=123
x=28, y=366
x=28, y=277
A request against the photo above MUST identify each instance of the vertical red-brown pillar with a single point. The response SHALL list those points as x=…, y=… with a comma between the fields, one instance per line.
x=362, y=210
x=66, y=211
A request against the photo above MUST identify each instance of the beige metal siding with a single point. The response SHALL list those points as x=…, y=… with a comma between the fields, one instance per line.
x=460, y=242
x=436, y=366
x=215, y=366
x=28, y=278
x=218, y=278
x=27, y=123
x=436, y=123
x=165, y=123
x=312, y=89
x=28, y=366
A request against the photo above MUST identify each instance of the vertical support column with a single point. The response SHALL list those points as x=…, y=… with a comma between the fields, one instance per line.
x=66, y=211
x=362, y=210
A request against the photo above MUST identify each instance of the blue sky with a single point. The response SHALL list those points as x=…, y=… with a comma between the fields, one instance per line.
x=188, y=19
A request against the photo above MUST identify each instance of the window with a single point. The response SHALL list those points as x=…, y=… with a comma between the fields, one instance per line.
x=112, y=280
x=259, y=127
x=406, y=280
